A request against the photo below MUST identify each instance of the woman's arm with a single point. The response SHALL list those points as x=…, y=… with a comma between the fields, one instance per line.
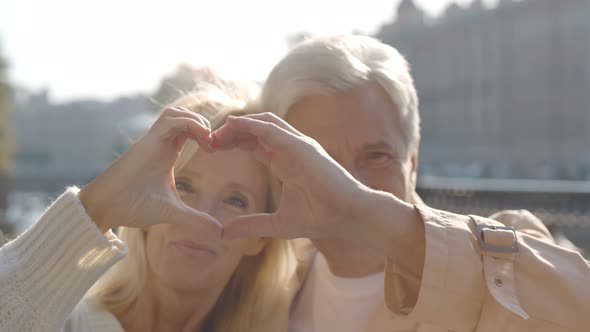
x=46, y=271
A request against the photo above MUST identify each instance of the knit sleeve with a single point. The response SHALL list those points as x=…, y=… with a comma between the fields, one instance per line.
x=47, y=270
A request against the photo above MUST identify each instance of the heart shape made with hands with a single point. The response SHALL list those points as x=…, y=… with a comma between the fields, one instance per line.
x=318, y=196
x=138, y=190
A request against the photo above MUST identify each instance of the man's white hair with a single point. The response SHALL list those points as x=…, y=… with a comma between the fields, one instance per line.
x=336, y=64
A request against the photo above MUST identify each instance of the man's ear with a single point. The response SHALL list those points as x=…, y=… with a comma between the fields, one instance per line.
x=255, y=246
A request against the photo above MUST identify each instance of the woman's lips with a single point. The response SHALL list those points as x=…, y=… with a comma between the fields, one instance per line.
x=193, y=249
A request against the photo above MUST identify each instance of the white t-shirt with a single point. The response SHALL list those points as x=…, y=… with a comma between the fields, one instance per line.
x=330, y=303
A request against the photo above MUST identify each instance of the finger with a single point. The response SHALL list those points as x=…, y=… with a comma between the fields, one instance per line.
x=243, y=141
x=178, y=127
x=180, y=141
x=200, y=117
x=184, y=125
x=273, y=118
x=267, y=133
x=185, y=215
x=255, y=225
x=249, y=143
x=227, y=138
x=183, y=112
x=260, y=152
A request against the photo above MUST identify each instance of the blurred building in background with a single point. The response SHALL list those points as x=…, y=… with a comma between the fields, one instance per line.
x=505, y=105
x=6, y=146
x=504, y=92
x=59, y=144
x=66, y=143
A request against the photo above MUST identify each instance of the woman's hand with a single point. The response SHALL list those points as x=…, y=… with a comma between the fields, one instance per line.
x=138, y=190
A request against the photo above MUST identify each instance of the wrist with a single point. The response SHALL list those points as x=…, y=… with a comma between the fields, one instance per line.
x=91, y=202
x=386, y=222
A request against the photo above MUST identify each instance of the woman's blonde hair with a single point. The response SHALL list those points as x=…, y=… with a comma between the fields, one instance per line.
x=256, y=294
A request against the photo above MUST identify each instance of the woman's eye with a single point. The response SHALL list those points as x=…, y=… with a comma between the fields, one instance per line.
x=237, y=201
x=183, y=186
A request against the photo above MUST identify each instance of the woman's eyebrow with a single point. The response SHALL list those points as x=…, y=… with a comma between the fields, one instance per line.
x=189, y=173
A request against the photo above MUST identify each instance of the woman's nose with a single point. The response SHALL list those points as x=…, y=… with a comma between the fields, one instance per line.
x=206, y=205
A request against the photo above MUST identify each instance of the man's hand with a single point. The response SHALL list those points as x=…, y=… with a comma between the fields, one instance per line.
x=319, y=197
x=138, y=189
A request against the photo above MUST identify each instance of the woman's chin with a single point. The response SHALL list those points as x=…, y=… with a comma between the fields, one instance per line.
x=185, y=281
x=185, y=270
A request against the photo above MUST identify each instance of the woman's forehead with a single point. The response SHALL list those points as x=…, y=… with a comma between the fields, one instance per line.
x=228, y=166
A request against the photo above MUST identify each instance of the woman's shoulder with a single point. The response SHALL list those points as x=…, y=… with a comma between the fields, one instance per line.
x=89, y=316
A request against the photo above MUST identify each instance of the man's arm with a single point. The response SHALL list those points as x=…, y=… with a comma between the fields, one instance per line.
x=452, y=271
x=525, y=222
x=475, y=274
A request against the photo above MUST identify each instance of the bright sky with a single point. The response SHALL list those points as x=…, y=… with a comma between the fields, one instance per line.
x=82, y=48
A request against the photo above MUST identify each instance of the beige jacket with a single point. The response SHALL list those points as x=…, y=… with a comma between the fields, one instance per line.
x=470, y=282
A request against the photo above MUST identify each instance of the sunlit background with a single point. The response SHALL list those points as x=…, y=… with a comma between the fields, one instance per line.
x=504, y=89
x=104, y=49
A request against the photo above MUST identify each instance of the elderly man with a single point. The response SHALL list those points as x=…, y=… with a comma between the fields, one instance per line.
x=347, y=157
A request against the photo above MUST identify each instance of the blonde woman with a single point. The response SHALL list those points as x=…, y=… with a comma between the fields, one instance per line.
x=171, y=271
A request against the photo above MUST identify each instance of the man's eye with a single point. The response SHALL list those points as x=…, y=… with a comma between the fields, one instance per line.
x=183, y=186
x=237, y=201
x=378, y=156
x=377, y=159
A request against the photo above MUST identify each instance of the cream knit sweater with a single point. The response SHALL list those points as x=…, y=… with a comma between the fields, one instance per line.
x=45, y=273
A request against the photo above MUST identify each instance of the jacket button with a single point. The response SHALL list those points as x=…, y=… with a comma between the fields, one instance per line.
x=498, y=282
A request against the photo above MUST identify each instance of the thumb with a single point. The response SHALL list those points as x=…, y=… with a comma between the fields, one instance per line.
x=185, y=215
x=254, y=225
